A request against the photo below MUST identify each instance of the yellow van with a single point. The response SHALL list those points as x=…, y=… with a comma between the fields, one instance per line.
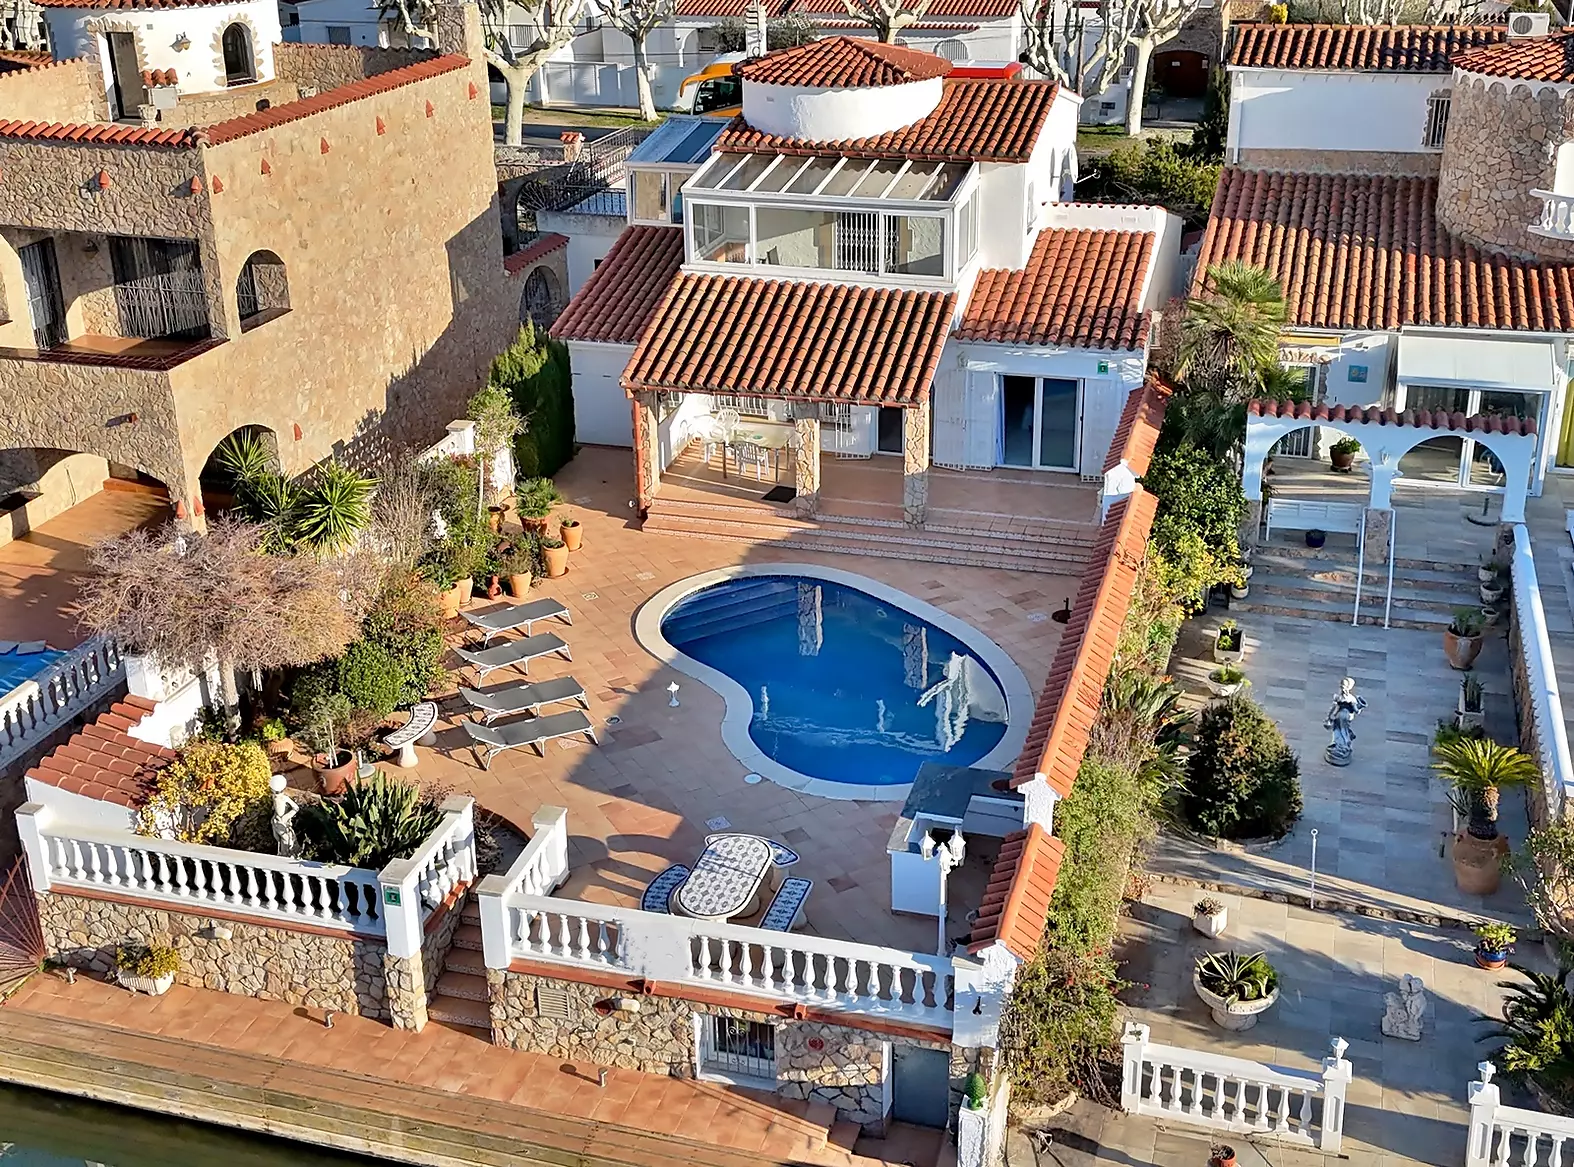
x=714, y=90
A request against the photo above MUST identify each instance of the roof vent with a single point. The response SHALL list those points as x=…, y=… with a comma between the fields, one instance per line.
x=1528, y=24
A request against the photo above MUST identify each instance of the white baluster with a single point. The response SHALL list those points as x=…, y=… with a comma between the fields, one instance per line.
x=251, y=897
x=144, y=869
x=1196, y=1093
x=1261, y=1123
x=604, y=942
x=199, y=880
x=111, y=865
x=704, y=970
x=1281, y=1118
x=178, y=868
x=94, y=875
x=768, y=967
x=336, y=906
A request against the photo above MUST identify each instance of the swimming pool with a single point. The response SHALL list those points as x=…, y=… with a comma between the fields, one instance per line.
x=840, y=686
x=17, y=667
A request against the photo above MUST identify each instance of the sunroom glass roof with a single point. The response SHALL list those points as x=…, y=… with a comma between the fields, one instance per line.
x=831, y=175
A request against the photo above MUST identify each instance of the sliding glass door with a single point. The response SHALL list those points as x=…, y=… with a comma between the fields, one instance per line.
x=1458, y=460
x=1040, y=422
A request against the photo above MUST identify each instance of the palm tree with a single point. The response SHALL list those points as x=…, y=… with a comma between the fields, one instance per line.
x=1231, y=333
x=1479, y=768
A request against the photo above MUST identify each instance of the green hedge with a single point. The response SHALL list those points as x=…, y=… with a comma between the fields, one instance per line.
x=535, y=371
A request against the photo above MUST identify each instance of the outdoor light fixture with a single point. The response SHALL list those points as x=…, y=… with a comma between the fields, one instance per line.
x=950, y=852
x=182, y=43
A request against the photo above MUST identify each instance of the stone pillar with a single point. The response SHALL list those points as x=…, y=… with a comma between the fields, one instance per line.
x=647, y=468
x=807, y=465
x=915, y=463
x=405, y=978
x=1378, y=521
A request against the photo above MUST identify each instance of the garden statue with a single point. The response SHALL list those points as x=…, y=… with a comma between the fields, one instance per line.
x=1402, y=1010
x=285, y=809
x=1340, y=715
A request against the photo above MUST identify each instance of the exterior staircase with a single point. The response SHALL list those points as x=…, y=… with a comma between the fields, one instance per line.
x=1051, y=546
x=459, y=999
x=1296, y=581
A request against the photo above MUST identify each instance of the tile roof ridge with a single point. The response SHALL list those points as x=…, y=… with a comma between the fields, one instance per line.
x=1441, y=419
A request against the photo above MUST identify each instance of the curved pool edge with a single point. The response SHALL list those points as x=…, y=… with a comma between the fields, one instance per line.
x=740, y=703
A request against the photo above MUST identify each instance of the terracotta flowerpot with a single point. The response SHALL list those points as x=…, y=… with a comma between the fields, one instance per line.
x=1225, y=1159
x=557, y=561
x=1461, y=650
x=1341, y=461
x=519, y=585
x=536, y=525
x=466, y=590
x=1478, y=864
x=573, y=534
x=449, y=602
x=494, y=517
x=334, y=778
x=493, y=588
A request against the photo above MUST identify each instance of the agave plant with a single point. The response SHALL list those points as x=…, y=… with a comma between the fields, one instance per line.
x=1236, y=976
x=1479, y=768
x=245, y=456
x=375, y=820
x=271, y=500
x=335, y=508
x=1538, y=1026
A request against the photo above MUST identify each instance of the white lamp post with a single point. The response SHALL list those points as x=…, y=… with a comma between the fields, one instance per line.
x=950, y=855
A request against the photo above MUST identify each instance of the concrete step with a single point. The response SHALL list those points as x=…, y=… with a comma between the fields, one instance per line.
x=470, y=913
x=1336, y=568
x=468, y=936
x=482, y=1033
x=1288, y=588
x=942, y=522
x=844, y=1134
x=1266, y=551
x=1339, y=612
x=465, y=960
x=465, y=985
x=459, y=1011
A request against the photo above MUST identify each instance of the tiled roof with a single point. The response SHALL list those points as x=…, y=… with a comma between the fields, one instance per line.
x=103, y=761
x=976, y=121
x=843, y=24
x=21, y=60
x=773, y=8
x=1423, y=418
x=1080, y=287
x=1015, y=907
x=990, y=9
x=621, y=295
x=787, y=338
x=1137, y=435
x=1361, y=251
x=1068, y=706
x=844, y=62
x=128, y=3
x=153, y=78
x=1383, y=48
x=106, y=132
x=544, y=246
x=1544, y=58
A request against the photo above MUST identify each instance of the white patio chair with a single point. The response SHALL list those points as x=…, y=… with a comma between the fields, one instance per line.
x=749, y=454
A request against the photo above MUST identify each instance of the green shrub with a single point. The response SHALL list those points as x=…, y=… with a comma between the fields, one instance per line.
x=335, y=508
x=147, y=960
x=1538, y=1026
x=403, y=622
x=1237, y=977
x=375, y=821
x=1242, y=780
x=369, y=678
x=1153, y=170
x=452, y=486
x=319, y=713
x=535, y=372
x=1099, y=823
x=1060, y=1024
x=211, y=784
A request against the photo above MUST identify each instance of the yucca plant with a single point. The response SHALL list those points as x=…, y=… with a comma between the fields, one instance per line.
x=1538, y=1025
x=335, y=508
x=270, y=500
x=1236, y=976
x=1478, y=768
x=374, y=821
x=244, y=455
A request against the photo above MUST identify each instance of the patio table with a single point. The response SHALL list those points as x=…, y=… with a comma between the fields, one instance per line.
x=773, y=435
x=726, y=878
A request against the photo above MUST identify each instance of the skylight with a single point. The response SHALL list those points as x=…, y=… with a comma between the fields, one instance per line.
x=829, y=176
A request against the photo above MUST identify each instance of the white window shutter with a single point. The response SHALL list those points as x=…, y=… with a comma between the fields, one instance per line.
x=948, y=419
x=983, y=419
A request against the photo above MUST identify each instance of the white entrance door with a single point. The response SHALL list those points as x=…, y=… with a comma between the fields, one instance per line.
x=1041, y=422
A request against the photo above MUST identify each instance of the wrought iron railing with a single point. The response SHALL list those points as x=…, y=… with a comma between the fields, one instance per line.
x=173, y=305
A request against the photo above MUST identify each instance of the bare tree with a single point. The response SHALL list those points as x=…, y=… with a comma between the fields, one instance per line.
x=637, y=19
x=1155, y=23
x=185, y=598
x=1056, y=43
x=887, y=17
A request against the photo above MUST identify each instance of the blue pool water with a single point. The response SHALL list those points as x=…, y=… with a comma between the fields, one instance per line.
x=16, y=668
x=846, y=688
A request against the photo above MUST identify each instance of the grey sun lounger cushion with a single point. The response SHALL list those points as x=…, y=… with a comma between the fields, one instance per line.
x=526, y=698
x=515, y=652
x=515, y=616
x=491, y=740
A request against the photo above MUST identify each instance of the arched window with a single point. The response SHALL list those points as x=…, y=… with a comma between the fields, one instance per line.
x=542, y=299
x=262, y=291
x=239, y=67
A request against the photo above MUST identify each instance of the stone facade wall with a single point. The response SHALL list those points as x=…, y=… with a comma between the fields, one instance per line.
x=206, y=109
x=1502, y=144
x=54, y=93
x=1416, y=163
x=815, y=1061
x=269, y=963
x=406, y=1002
x=323, y=67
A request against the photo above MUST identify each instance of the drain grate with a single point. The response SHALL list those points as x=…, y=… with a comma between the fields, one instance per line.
x=719, y=823
x=646, y=575
x=754, y=779
x=590, y=595
x=552, y=1002
x=613, y=720
x=1036, y=617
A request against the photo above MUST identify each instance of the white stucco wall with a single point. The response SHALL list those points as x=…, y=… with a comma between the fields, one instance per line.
x=602, y=413
x=834, y=115
x=1280, y=109
x=590, y=237
x=200, y=66
x=673, y=433
x=79, y=810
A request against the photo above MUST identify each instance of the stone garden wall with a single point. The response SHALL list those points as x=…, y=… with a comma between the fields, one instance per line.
x=296, y=965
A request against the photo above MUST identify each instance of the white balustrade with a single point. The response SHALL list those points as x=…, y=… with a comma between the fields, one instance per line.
x=1557, y=215
x=1296, y=1107
x=91, y=672
x=1507, y=1136
x=414, y=888
x=192, y=877
x=1535, y=649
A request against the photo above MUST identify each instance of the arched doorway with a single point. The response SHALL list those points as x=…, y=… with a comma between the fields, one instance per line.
x=542, y=298
x=245, y=451
x=240, y=66
x=1181, y=73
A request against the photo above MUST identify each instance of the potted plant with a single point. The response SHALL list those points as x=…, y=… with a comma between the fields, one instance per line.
x=1229, y=646
x=1237, y=988
x=146, y=968
x=1469, y=713
x=495, y=516
x=571, y=533
x=1316, y=537
x=555, y=552
x=1462, y=638
x=274, y=736
x=534, y=499
x=1477, y=769
x=1492, y=590
x=1489, y=571
x=519, y=563
x=1341, y=455
x=1209, y=916
x=1493, y=944
x=333, y=760
x=1536, y=1024
x=1227, y=680
x=1221, y=1155
x=441, y=572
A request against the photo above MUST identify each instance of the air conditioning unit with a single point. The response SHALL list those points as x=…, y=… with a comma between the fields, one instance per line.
x=1528, y=24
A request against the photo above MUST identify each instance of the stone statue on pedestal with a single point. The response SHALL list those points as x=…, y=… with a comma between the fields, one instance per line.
x=1346, y=706
x=1402, y=1010
x=285, y=809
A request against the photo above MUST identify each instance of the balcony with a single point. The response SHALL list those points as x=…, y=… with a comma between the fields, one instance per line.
x=1557, y=215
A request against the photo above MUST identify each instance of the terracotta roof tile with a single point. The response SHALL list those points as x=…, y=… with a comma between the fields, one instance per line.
x=1137, y=435
x=1363, y=251
x=976, y=121
x=1080, y=287
x=844, y=62
x=128, y=3
x=522, y=259
x=786, y=338
x=22, y=60
x=621, y=295
x=97, y=132
x=1392, y=48
x=103, y=761
x=1423, y=418
x=1015, y=907
x=156, y=77
x=773, y=8
x=1544, y=58
x=967, y=9
x=844, y=23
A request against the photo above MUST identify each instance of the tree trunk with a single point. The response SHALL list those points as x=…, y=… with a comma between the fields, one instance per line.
x=888, y=32
x=1139, y=87
x=517, y=79
x=647, y=100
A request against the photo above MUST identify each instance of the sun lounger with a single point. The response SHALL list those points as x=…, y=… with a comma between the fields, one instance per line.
x=786, y=910
x=529, y=731
x=515, y=652
x=526, y=698
x=659, y=892
x=516, y=616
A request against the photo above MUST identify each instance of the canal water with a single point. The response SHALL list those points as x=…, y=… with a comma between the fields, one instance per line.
x=38, y=1129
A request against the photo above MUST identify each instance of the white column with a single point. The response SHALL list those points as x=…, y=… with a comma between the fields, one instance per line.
x=495, y=942
x=1133, y=1047
x=1337, y=1073
x=552, y=821
x=1484, y=1101
x=31, y=819
x=399, y=888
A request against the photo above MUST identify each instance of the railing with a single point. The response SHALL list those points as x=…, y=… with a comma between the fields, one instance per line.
x=414, y=888
x=91, y=672
x=1298, y=1107
x=1557, y=215
x=171, y=305
x=195, y=877
x=1506, y=1136
x=1545, y=703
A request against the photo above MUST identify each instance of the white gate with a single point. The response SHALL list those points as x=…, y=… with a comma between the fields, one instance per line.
x=963, y=407
x=847, y=432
